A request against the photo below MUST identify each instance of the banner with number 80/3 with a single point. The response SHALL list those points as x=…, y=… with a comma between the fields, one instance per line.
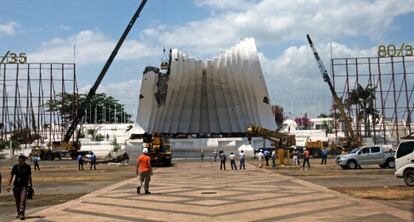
x=392, y=50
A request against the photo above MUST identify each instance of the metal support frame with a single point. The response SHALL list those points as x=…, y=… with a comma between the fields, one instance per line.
x=393, y=78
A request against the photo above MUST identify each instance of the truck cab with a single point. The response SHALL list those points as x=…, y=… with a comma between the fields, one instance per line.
x=404, y=161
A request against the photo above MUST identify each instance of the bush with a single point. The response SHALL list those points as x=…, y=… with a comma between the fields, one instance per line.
x=99, y=137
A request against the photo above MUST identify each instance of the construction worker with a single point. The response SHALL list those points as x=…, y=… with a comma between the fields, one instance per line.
x=36, y=160
x=80, y=161
x=215, y=155
x=202, y=155
x=273, y=158
x=232, y=158
x=22, y=175
x=93, y=161
x=306, y=156
x=324, y=155
x=295, y=158
x=260, y=158
x=267, y=156
x=222, y=160
x=144, y=171
x=242, y=160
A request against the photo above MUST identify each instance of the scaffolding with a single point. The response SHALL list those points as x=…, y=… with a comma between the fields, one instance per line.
x=27, y=104
x=393, y=80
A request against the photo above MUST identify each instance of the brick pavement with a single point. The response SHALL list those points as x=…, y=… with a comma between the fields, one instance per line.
x=200, y=192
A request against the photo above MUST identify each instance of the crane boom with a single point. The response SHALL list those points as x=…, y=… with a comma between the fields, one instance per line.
x=349, y=133
x=281, y=140
x=92, y=91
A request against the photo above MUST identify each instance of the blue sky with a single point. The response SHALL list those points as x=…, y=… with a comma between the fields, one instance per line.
x=48, y=29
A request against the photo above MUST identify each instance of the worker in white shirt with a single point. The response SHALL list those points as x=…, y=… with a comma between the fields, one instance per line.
x=273, y=158
x=261, y=157
x=232, y=158
x=242, y=160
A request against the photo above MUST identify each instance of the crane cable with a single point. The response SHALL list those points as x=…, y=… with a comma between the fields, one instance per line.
x=164, y=59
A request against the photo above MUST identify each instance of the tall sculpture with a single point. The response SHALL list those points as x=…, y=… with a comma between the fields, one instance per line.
x=222, y=95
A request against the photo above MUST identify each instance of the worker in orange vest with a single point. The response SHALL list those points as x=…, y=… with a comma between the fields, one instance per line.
x=144, y=171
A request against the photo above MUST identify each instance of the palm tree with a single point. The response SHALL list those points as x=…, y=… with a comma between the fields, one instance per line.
x=364, y=98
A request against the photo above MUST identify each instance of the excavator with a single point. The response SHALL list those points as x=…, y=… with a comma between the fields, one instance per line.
x=351, y=139
x=280, y=141
x=159, y=149
x=73, y=147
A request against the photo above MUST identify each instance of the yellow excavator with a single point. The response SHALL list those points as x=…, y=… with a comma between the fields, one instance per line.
x=351, y=139
x=282, y=142
x=159, y=149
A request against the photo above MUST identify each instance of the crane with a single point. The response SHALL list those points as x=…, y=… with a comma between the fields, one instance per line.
x=351, y=139
x=81, y=111
x=278, y=139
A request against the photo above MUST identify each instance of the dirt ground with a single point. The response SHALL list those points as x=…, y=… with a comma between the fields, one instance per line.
x=60, y=181
x=370, y=182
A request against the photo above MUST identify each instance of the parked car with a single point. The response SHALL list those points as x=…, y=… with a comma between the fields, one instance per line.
x=368, y=155
x=404, y=161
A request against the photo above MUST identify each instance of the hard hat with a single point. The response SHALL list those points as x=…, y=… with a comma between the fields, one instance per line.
x=304, y=148
x=145, y=150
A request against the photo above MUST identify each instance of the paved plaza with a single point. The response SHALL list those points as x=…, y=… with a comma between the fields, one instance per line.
x=198, y=191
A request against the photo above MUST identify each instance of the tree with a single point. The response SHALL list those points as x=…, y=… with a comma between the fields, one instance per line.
x=303, y=122
x=364, y=98
x=102, y=108
x=323, y=115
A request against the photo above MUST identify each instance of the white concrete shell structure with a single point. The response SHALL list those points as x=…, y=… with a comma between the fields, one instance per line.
x=222, y=95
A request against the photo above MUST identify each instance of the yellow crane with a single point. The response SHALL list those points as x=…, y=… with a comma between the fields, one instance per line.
x=351, y=139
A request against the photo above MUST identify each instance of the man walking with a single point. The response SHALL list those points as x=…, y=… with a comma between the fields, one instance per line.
x=242, y=160
x=267, y=156
x=80, y=162
x=215, y=155
x=324, y=155
x=295, y=154
x=273, y=158
x=93, y=161
x=222, y=160
x=202, y=155
x=22, y=175
x=261, y=157
x=306, y=156
x=36, y=160
x=144, y=171
x=232, y=158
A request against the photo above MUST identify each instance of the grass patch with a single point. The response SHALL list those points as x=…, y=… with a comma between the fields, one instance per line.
x=379, y=193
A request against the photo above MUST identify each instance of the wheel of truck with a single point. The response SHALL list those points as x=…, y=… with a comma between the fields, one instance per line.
x=409, y=177
x=390, y=163
x=351, y=164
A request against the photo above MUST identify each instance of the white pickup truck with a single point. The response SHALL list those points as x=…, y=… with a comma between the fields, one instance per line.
x=368, y=155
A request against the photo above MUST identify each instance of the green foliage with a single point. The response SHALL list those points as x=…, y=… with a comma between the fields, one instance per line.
x=3, y=144
x=323, y=115
x=100, y=110
x=99, y=137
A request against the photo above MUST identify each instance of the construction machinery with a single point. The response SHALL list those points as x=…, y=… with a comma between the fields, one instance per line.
x=351, y=139
x=282, y=142
x=159, y=149
x=73, y=147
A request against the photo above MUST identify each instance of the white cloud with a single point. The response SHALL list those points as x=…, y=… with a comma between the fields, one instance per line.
x=8, y=28
x=274, y=22
x=91, y=47
x=64, y=27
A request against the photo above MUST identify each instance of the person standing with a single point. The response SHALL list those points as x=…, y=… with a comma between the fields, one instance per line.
x=222, y=160
x=36, y=160
x=144, y=171
x=324, y=155
x=232, y=158
x=93, y=161
x=22, y=175
x=80, y=161
x=266, y=156
x=215, y=155
x=273, y=156
x=260, y=158
x=0, y=181
x=306, y=156
x=202, y=155
x=242, y=160
x=295, y=154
